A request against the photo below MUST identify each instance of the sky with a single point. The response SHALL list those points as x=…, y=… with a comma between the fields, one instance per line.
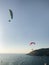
x=30, y=23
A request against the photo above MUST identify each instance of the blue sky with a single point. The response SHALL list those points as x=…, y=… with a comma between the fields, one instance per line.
x=30, y=23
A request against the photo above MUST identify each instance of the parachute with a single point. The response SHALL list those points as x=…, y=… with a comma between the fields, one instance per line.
x=32, y=43
x=11, y=14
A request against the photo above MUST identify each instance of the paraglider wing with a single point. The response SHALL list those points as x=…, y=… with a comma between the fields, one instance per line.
x=32, y=43
x=11, y=13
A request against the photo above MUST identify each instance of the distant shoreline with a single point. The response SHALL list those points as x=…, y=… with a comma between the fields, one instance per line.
x=40, y=52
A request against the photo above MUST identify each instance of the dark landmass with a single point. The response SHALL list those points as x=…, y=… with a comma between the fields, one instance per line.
x=40, y=52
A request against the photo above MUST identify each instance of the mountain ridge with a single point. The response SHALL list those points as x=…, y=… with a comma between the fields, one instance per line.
x=40, y=52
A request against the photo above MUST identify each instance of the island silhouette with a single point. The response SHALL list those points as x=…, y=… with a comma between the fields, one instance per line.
x=40, y=52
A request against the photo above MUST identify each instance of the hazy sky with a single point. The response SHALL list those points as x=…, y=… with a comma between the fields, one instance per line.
x=30, y=23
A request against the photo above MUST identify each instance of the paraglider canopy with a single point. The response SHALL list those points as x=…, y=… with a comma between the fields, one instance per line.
x=32, y=43
x=11, y=14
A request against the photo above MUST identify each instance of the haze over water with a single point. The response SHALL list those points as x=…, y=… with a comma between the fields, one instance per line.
x=22, y=59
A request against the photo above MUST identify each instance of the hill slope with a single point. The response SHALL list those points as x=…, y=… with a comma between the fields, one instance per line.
x=40, y=52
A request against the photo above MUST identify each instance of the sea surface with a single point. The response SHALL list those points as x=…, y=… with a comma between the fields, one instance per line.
x=22, y=59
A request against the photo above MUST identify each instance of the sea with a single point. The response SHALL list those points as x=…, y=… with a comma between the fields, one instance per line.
x=23, y=59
